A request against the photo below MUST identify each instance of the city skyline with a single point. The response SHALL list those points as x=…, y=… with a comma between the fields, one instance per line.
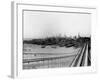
x=46, y=24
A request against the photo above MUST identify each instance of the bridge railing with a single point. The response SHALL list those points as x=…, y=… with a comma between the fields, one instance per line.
x=82, y=58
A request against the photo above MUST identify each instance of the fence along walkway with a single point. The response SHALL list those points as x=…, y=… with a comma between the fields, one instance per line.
x=82, y=58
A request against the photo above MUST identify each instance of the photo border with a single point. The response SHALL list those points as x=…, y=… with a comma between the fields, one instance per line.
x=15, y=71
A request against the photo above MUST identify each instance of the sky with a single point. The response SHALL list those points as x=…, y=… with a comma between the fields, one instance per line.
x=45, y=24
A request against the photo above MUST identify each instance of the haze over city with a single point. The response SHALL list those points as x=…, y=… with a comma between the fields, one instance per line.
x=43, y=24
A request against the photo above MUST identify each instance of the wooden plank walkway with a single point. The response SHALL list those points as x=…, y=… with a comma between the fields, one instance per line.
x=82, y=58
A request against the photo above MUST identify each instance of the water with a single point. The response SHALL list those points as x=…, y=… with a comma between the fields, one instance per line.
x=54, y=57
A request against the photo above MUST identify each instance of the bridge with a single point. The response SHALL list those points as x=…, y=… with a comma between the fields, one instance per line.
x=82, y=58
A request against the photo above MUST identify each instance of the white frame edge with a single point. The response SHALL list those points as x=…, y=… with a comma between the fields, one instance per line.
x=14, y=33
x=13, y=40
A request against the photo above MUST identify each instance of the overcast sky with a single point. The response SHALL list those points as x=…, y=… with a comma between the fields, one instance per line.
x=42, y=24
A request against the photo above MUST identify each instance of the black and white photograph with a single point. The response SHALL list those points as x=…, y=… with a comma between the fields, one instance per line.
x=56, y=39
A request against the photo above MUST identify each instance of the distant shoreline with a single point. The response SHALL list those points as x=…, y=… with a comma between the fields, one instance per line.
x=61, y=41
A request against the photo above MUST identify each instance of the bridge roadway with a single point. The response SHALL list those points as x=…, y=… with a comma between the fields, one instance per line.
x=81, y=59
